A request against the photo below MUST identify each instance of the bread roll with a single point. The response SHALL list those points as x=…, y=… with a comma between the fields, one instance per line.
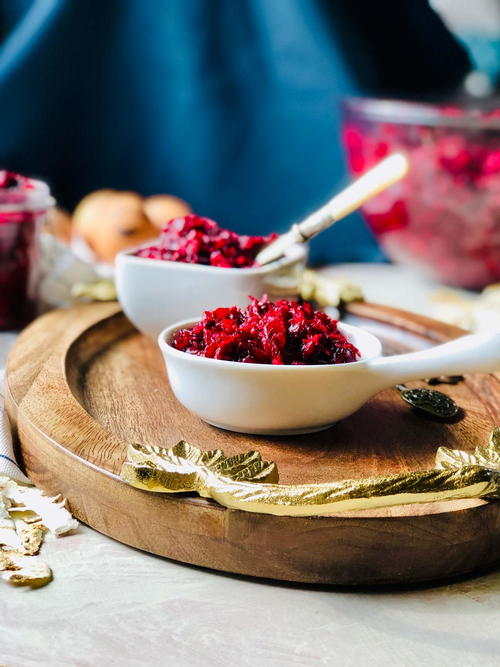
x=111, y=221
x=162, y=208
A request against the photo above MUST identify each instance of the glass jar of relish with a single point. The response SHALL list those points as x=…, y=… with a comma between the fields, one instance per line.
x=24, y=203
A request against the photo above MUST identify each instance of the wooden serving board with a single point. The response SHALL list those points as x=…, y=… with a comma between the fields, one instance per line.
x=82, y=383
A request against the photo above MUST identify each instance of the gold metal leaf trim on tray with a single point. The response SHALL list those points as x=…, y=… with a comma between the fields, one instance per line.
x=247, y=482
x=488, y=456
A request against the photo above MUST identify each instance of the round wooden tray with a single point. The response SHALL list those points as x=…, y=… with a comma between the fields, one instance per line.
x=82, y=383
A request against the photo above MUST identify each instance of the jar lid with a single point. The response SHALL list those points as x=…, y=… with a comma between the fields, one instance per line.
x=20, y=193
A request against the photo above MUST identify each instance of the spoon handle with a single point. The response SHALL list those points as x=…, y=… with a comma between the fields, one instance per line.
x=368, y=185
x=476, y=353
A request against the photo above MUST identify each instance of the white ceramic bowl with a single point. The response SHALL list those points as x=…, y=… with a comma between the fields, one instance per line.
x=281, y=400
x=155, y=293
x=263, y=398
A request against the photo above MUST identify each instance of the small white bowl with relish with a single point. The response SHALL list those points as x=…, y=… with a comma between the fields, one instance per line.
x=283, y=368
x=196, y=266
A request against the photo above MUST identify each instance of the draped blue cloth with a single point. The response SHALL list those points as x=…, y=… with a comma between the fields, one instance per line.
x=232, y=105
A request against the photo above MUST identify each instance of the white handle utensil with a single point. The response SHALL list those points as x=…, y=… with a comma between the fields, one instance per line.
x=375, y=180
x=476, y=353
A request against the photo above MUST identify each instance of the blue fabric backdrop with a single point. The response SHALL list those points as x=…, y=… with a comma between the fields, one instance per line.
x=230, y=104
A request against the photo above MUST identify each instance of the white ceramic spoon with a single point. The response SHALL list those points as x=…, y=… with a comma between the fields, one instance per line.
x=280, y=400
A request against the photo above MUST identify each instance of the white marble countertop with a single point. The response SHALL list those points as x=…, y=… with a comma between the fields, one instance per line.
x=111, y=604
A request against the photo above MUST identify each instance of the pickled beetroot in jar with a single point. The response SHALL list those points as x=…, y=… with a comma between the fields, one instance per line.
x=443, y=218
x=23, y=205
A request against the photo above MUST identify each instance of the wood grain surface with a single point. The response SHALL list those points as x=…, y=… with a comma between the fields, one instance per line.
x=82, y=384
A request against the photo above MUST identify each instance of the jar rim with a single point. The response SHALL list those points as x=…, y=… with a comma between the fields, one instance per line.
x=406, y=112
x=35, y=198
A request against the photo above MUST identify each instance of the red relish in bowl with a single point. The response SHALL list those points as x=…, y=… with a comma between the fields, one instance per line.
x=196, y=240
x=443, y=218
x=281, y=333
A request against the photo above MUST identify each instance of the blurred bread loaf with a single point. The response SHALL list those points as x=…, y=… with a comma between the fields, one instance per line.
x=162, y=208
x=110, y=221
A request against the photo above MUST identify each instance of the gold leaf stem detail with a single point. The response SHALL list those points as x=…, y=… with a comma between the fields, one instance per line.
x=248, y=483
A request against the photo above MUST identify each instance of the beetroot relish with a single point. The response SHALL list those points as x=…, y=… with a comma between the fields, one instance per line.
x=285, y=332
x=444, y=216
x=9, y=179
x=196, y=240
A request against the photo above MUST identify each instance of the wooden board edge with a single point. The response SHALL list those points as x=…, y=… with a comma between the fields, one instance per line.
x=421, y=325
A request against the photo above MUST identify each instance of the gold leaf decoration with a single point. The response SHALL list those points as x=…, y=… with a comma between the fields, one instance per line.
x=453, y=459
x=186, y=468
x=487, y=456
x=99, y=290
x=328, y=290
x=249, y=483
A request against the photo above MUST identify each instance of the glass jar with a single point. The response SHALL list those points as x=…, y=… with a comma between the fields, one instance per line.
x=23, y=207
x=443, y=218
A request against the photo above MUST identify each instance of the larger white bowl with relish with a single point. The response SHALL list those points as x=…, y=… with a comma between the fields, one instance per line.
x=156, y=292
